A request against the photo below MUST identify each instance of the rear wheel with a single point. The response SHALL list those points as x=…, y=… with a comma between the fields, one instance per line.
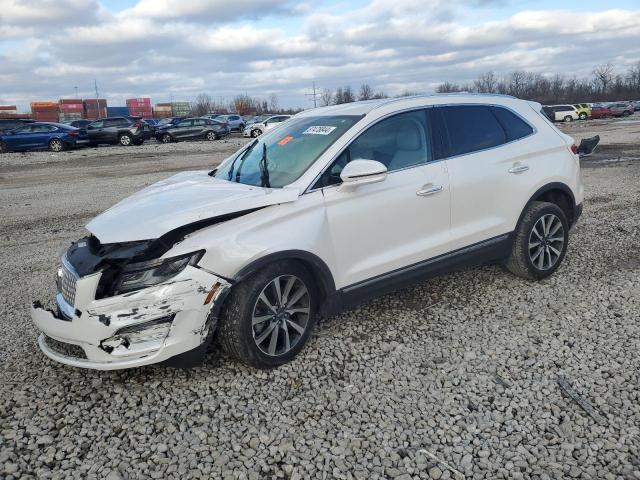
x=256, y=132
x=211, y=136
x=540, y=243
x=56, y=145
x=583, y=116
x=568, y=118
x=125, y=139
x=166, y=138
x=140, y=141
x=626, y=113
x=268, y=318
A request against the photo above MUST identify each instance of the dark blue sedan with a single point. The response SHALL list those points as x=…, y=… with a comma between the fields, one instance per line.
x=39, y=135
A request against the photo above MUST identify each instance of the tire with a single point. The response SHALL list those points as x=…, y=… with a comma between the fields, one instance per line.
x=583, y=116
x=568, y=119
x=211, y=136
x=125, y=139
x=3, y=148
x=166, y=138
x=256, y=132
x=254, y=345
x=524, y=260
x=138, y=142
x=626, y=113
x=92, y=144
x=56, y=145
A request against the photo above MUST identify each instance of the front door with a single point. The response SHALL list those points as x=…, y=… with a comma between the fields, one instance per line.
x=383, y=227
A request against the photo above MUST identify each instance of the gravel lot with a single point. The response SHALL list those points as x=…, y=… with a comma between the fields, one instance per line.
x=458, y=374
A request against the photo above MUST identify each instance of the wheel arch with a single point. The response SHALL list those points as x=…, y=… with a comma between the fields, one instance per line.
x=557, y=193
x=316, y=266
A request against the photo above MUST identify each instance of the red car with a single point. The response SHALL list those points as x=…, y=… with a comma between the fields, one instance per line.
x=600, y=111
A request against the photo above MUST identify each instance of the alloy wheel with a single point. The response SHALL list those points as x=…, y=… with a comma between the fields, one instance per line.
x=166, y=138
x=211, y=136
x=255, y=133
x=281, y=315
x=125, y=140
x=55, y=145
x=546, y=242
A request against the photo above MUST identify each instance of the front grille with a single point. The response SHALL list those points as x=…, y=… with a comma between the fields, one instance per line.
x=66, y=349
x=67, y=283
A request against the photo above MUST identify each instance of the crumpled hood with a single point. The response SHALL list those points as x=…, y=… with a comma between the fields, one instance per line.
x=180, y=200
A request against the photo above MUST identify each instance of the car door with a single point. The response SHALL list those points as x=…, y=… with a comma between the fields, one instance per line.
x=198, y=129
x=95, y=131
x=40, y=135
x=491, y=155
x=382, y=227
x=18, y=138
x=183, y=129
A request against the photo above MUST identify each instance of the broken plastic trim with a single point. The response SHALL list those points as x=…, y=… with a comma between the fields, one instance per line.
x=135, y=334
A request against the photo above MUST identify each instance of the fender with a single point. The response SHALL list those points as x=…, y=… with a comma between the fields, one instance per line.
x=551, y=186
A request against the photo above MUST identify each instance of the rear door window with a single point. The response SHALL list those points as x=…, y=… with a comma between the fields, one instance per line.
x=514, y=126
x=471, y=128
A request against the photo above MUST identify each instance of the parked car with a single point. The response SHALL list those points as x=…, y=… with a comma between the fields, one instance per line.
x=564, y=113
x=42, y=135
x=118, y=130
x=584, y=110
x=621, y=109
x=257, y=129
x=192, y=129
x=78, y=123
x=600, y=111
x=636, y=105
x=334, y=206
x=235, y=122
x=257, y=119
x=7, y=124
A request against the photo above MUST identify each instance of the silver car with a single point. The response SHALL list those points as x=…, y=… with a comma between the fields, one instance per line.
x=235, y=122
x=257, y=129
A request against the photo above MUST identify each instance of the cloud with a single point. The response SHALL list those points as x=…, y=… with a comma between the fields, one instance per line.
x=171, y=48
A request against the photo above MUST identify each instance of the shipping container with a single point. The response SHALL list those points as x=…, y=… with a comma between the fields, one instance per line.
x=44, y=104
x=69, y=116
x=117, y=111
x=41, y=116
x=7, y=108
x=138, y=102
x=70, y=101
x=5, y=115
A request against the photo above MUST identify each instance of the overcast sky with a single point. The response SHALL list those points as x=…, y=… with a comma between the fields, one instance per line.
x=175, y=49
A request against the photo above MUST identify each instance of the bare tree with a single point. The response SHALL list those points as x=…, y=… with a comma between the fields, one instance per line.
x=338, y=97
x=448, y=87
x=242, y=104
x=603, y=75
x=486, y=83
x=326, y=97
x=366, y=92
x=347, y=95
x=202, y=105
x=517, y=81
x=380, y=94
x=274, y=103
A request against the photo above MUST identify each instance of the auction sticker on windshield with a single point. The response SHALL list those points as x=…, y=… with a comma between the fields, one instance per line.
x=319, y=130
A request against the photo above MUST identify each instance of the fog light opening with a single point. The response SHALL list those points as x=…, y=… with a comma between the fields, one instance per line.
x=143, y=336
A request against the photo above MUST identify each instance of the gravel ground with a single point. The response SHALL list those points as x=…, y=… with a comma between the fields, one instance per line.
x=455, y=377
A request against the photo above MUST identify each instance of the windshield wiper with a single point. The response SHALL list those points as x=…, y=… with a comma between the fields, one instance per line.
x=264, y=168
x=243, y=155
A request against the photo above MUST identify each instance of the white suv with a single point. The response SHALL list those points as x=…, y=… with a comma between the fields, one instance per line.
x=333, y=206
x=257, y=129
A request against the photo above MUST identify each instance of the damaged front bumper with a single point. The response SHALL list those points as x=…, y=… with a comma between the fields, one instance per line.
x=133, y=329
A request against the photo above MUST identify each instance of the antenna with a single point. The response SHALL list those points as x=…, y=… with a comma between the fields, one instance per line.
x=314, y=95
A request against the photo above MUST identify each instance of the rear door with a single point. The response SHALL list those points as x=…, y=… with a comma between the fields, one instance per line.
x=490, y=154
x=183, y=129
x=94, y=130
x=199, y=127
x=41, y=134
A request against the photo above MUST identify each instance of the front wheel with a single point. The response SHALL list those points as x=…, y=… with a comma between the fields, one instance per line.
x=626, y=114
x=166, y=138
x=568, y=119
x=255, y=133
x=583, y=116
x=211, y=136
x=268, y=318
x=125, y=139
x=540, y=241
x=56, y=145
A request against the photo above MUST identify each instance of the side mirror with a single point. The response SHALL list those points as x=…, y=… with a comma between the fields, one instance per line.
x=362, y=172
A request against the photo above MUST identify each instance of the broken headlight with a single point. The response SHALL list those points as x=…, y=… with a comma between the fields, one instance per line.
x=136, y=276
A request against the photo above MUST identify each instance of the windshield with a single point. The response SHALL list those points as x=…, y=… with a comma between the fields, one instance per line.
x=278, y=158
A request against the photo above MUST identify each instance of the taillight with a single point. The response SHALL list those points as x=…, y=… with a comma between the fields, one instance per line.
x=72, y=133
x=574, y=149
x=137, y=125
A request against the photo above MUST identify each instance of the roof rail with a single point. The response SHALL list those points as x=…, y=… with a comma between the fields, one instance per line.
x=430, y=95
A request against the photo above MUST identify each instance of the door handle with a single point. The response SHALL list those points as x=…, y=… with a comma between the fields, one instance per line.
x=430, y=190
x=519, y=168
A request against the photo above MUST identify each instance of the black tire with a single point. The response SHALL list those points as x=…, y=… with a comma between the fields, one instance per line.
x=568, y=118
x=125, y=139
x=583, y=116
x=236, y=330
x=92, y=144
x=255, y=133
x=166, y=138
x=626, y=113
x=211, y=136
x=56, y=145
x=520, y=261
x=3, y=147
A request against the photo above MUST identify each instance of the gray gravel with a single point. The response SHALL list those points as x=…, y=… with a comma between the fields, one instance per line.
x=458, y=374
